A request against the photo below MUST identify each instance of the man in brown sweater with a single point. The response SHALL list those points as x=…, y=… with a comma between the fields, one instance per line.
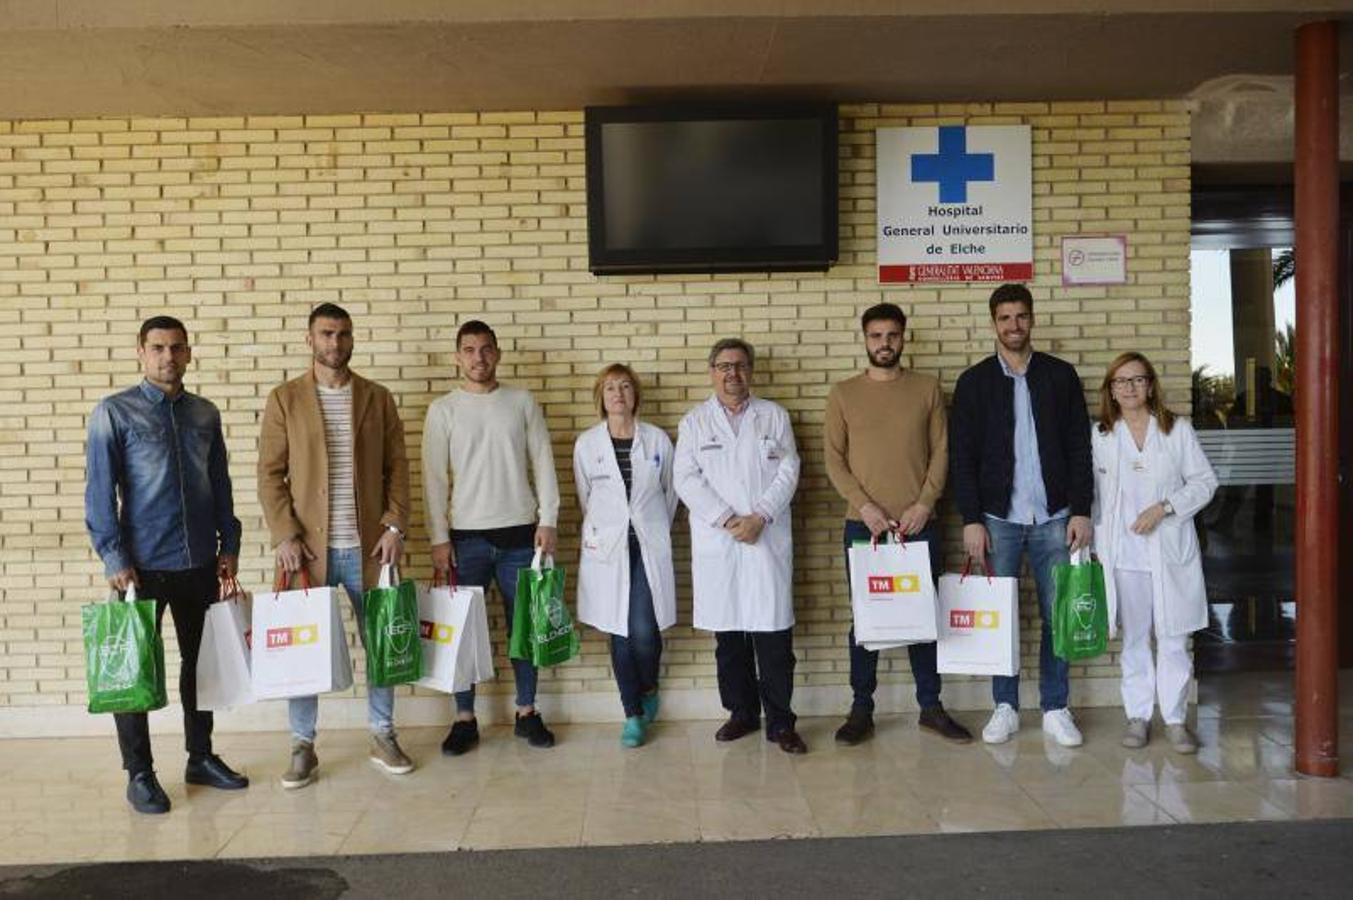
x=887, y=455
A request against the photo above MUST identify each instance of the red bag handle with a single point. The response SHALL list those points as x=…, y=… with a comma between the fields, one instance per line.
x=229, y=587
x=967, y=568
x=283, y=581
x=450, y=578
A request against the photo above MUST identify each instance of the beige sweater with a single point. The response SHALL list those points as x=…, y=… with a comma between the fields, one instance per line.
x=496, y=447
x=887, y=442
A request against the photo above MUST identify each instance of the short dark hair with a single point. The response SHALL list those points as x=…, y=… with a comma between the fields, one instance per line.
x=883, y=311
x=328, y=311
x=1010, y=293
x=475, y=326
x=164, y=323
x=733, y=344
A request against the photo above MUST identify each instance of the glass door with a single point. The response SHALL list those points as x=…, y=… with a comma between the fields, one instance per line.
x=1243, y=311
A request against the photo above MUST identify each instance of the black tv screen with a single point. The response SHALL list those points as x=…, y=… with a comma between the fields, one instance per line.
x=711, y=189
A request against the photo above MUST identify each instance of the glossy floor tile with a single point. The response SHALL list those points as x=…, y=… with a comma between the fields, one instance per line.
x=63, y=800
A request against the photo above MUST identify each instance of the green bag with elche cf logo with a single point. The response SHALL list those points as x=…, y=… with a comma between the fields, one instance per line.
x=1080, y=609
x=542, y=629
x=394, y=653
x=124, y=655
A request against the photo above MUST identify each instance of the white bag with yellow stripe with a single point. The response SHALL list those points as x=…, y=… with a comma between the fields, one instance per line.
x=299, y=647
x=454, y=627
x=892, y=594
x=979, y=625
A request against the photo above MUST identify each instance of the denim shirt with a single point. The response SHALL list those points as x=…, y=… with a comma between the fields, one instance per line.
x=1028, y=496
x=157, y=494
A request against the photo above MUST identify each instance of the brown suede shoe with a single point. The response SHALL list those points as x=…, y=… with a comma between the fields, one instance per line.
x=935, y=720
x=858, y=727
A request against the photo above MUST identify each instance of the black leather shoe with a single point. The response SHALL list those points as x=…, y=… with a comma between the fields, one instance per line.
x=859, y=725
x=789, y=741
x=145, y=794
x=464, y=735
x=735, y=728
x=935, y=720
x=211, y=770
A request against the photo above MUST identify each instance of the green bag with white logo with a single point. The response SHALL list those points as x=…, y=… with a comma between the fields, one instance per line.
x=394, y=653
x=1080, y=609
x=124, y=656
x=546, y=632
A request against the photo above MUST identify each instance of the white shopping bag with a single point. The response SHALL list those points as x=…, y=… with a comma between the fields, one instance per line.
x=299, y=645
x=223, y=678
x=453, y=625
x=892, y=594
x=979, y=625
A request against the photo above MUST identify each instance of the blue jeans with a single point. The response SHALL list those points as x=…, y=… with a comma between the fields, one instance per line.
x=864, y=664
x=1045, y=544
x=635, y=658
x=345, y=568
x=478, y=562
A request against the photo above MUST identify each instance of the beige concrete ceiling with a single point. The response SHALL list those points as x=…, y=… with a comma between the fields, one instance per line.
x=73, y=58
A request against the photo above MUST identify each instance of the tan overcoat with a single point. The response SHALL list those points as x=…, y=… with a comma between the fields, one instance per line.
x=293, y=469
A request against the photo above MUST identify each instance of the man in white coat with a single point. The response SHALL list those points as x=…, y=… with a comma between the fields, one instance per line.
x=736, y=470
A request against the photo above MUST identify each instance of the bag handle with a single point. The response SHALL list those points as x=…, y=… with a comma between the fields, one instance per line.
x=389, y=576
x=283, y=581
x=1080, y=556
x=967, y=569
x=229, y=588
x=538, y=558
x=128, y=596
x=450, y=576
x=891, y=536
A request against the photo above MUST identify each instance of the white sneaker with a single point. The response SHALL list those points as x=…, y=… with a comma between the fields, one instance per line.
x=1002, y=725
x=1062, y=728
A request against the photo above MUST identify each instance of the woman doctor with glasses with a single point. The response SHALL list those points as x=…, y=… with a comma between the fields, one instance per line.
x=1151, y=479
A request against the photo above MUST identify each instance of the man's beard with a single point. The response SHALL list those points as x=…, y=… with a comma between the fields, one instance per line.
x=881, y=364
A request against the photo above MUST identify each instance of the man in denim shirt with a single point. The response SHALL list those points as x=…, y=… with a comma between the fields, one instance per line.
x=159, y=511
x=1019, y=442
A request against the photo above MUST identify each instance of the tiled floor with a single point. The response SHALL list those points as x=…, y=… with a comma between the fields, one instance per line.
x=62, y=800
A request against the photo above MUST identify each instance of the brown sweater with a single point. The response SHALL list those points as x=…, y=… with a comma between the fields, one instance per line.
x=887, y=441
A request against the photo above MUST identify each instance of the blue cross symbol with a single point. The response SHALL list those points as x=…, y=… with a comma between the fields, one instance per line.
x=953, y=167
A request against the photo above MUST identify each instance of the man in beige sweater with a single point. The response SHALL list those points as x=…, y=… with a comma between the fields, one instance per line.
x=887, y=455
x=504, y=504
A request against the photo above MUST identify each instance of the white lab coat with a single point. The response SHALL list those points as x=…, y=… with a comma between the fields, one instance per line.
x=736, y=586
x=604, y=564
x=1182, y=475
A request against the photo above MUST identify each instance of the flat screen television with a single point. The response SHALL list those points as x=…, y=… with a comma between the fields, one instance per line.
x=711, y=188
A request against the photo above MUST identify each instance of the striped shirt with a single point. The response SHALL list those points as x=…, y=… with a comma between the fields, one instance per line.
x=335, y=405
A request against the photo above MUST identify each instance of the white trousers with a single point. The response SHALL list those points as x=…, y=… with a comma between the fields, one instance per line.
x=1145, y=683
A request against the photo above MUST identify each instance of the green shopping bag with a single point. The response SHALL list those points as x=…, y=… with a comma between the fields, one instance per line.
x=394, y=652
x=519, y=641
x=1080, y=609
x=548, y=627
x=124, y=655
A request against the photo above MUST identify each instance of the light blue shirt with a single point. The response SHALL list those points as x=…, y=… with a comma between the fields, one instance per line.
x=1028, y=496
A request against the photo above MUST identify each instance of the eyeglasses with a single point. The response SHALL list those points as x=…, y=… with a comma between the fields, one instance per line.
x=1137, y=381
x=725, y=368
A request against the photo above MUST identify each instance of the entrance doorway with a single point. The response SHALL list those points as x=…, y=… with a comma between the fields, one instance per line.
x=1242, y=354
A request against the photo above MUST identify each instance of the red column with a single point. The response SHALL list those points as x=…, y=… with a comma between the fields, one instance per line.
x=1317, y=398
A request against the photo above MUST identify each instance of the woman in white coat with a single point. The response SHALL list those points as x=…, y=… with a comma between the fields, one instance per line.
x=1151, y=479
x=623, y=471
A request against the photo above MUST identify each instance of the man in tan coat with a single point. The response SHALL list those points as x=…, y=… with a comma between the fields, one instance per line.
x=333, y=481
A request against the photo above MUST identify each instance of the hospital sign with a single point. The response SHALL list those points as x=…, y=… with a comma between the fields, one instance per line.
x=955, y=204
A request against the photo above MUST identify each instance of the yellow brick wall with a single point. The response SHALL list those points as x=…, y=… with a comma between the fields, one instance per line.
x=416, y=222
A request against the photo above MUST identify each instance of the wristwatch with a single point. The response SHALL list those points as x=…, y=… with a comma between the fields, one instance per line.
x=1165, y=505
x=397, y=532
